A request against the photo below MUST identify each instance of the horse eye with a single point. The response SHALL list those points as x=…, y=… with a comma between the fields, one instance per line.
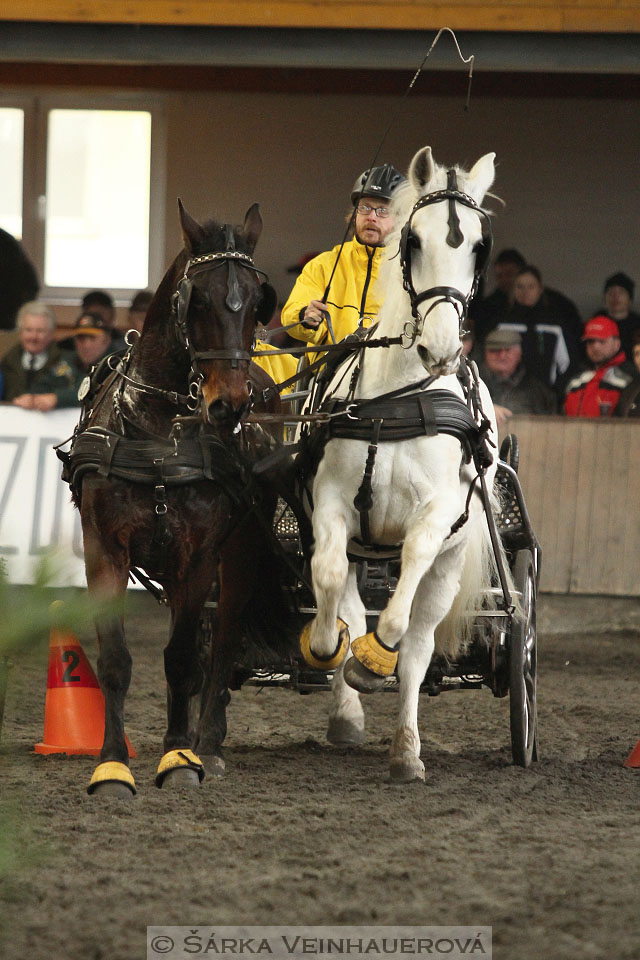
x=201, y=300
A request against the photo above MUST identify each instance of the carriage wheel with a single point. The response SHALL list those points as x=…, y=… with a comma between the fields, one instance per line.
x=523, y=666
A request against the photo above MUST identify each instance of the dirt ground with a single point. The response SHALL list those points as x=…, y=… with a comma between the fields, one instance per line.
x=300, y=832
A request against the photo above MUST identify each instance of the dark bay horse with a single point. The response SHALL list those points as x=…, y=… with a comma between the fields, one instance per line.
x=160, y=472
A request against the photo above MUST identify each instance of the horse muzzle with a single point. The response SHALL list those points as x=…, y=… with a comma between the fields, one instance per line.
x=224, y=412
x=439, y=367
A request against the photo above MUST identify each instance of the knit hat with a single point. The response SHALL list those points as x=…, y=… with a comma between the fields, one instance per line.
x=503, y=337
x=620, y=280
x=600, y=328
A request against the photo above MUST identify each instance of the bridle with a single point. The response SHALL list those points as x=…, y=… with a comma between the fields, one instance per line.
x=180, y=301
x=443, y=294
x=182, y=297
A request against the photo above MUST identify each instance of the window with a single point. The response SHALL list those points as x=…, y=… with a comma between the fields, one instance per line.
x=89, y=207
x=11, y=154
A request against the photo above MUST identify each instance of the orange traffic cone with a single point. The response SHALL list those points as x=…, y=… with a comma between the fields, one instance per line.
x=633, y=760
x=74, y=706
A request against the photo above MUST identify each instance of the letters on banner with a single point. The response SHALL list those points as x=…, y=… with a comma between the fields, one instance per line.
x=36, y=513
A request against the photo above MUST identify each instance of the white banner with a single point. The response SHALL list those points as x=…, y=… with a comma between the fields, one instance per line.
x=36, y=513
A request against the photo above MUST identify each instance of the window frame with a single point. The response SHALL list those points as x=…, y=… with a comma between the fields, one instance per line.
x=36, y=109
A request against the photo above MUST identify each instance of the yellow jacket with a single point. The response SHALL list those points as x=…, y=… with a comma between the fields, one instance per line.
x=352, y=293
x=280, y=367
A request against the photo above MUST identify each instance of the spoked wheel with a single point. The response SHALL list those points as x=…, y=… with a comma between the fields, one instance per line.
x=523, y=657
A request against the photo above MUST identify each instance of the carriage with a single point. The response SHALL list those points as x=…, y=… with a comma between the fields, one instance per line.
x=417, y=562
x=502, y=655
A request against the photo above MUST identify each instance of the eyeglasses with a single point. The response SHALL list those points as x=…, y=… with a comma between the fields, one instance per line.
x=380, y=212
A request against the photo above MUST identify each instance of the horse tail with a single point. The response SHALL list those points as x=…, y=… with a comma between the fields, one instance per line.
x=479, y=574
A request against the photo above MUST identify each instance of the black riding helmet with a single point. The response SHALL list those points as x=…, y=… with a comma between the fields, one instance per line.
x=377, y=182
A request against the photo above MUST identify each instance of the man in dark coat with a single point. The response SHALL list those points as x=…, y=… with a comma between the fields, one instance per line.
x=35, y=353
x=513, y=390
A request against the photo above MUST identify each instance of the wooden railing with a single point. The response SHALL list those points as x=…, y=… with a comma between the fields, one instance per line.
x=581, y=483
x=579, y=16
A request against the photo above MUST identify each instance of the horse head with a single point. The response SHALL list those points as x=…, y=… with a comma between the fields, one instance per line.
x=445, y=246
x=218, y=298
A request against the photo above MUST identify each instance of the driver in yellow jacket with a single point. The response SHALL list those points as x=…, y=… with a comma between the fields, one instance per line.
x=325, y=308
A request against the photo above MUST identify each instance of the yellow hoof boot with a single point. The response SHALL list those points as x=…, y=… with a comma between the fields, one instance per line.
x=374, y=655
x=176, y=760
x=111, y=772
x=331, y=662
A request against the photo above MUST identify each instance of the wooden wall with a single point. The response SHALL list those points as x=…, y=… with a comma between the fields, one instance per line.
x=540, y=15
x=581, y=483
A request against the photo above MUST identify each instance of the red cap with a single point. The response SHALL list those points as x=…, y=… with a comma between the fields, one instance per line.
x=600, y=328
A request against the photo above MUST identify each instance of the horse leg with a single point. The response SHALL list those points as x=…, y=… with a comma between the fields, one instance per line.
x=235, y=573
x=432, y=602
x=346, y=717
x=184, y=676
x=107, y=577
x=324, y=642
x=376, y=654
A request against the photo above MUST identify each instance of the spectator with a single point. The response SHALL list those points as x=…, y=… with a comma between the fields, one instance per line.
x=352, y=299
x=513, y=390
x=59, y=387
x=101, y=302
x=487, y=313
x=484, y=312
x=18, y=280
x=618, y=296
x=35, y=353
x=596, y=390
x=629, y=403
x=138, y=310
x=545, y=350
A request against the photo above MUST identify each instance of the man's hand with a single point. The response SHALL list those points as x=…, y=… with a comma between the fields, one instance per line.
x=25, y=400
x=314, y=314
x=36, y=401
x=44, y=401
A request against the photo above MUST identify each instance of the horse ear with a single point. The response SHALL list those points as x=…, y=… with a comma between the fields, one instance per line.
x=192, y=232
x=421, y=169
x=252, y=226
x=481, y=176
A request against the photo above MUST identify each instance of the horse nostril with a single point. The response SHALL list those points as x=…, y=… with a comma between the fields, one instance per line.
x=425, y=356
x=221, y=410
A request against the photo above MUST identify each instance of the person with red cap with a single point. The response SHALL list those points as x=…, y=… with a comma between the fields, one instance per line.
x=595, y=391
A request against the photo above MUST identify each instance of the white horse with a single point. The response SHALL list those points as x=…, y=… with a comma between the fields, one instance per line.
x=420, y=487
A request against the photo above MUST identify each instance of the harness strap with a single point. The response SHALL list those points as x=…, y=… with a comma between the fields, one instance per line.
x=363, y=500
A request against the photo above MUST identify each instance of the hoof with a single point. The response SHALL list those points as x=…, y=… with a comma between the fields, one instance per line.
x=333, y=660
x=362, y=679
x=113, y=789
x=180, y=760
x=179, y=777
x=112, y=778
x=406, y=769
x=216, y=766
x=375, y=655
x=344, y=733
